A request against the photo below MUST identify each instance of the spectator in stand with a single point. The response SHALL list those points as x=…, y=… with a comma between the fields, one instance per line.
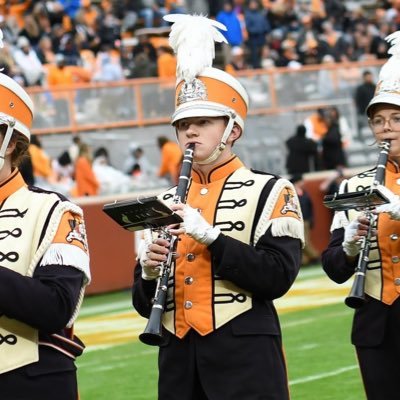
x=45, y=51
x=166, y=62
x=333, y=41
x=41, y=163
x=109, y=70
x=63, y=170
x=171, y=158
x=109, y=29
x=63, y=167
x=31, y=30
x=9, y=66
x=143, y=67
x=308, y=42
x=238, y=61
x=257, y=26
x=153, y=11
x=362, y=96
x=289, y=57
x=73, y=149
x=10, y=34
x=59, y=9
x=137, y=163
x=85, y=179
x=268, y=57
x=233, y=34
x=28, y=62
x=302, y=153
x=316, y=125
x=333, y=155
x=59, y=75
x=110, y=179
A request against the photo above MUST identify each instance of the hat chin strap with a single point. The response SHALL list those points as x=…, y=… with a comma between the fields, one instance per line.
x=220, y=148
x=10, y=122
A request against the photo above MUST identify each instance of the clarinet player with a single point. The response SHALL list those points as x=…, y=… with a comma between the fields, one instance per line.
x=239, y=246
x=376, y=323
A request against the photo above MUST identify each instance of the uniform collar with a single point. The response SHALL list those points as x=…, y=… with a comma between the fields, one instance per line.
x=14, y=182
x=218, y=172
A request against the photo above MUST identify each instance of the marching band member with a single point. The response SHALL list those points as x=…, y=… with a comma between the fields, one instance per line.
x=376, y=324
x=44, y=269
x=239, y=249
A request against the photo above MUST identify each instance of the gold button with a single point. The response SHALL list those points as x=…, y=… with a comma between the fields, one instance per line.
x=203, y=191
x=188, y=280
x=394, y=236
x=397, y=281
x=395, y=259
x=190, y=257
x=188, y=305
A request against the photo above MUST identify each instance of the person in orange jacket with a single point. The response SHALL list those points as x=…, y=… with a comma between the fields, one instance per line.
x=171, y=157
x=86, y=181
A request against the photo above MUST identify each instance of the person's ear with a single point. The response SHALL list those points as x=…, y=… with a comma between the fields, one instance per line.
x=11, y=147
x=236, y=132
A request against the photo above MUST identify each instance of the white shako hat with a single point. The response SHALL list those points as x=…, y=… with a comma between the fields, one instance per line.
x=201, y=90
x=388, y=86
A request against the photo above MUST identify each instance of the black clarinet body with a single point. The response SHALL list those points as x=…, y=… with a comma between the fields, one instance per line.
x=152, y=335
x=356, y=297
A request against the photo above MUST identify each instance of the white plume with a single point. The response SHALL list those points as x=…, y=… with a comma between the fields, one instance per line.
x=192, y=38
x=390, y=70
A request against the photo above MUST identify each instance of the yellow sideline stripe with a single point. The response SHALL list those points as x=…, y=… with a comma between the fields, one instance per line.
x=110, y=329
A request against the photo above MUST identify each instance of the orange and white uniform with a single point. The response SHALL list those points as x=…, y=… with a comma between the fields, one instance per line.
x=382, y=280
x=228, y=199
x=44, y=260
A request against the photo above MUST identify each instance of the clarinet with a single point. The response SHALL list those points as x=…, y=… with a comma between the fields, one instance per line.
x=356, y=297
x=152, y=335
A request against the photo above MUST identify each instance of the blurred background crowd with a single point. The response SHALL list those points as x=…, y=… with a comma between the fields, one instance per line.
x=110, y=40
x=67, y=42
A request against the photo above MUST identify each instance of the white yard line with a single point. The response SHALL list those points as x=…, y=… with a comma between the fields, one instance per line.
x=324, y=375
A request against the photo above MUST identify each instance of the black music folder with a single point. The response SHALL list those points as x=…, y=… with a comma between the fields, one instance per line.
x=141, y=213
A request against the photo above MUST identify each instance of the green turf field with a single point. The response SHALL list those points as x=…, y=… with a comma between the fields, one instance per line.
x=316, y=332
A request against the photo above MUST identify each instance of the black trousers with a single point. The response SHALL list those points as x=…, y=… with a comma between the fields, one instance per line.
x=223, y=365
x=379, y=362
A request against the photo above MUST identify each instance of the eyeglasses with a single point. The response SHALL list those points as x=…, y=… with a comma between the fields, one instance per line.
x=378, y=123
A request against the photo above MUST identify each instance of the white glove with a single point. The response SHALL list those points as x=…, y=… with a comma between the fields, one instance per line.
x=149, y=272
x=350, y=246
x=392, y=208
x=197, y=227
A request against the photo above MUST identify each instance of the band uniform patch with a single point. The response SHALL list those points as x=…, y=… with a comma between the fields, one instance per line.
x=287, y=205
x=77, y=231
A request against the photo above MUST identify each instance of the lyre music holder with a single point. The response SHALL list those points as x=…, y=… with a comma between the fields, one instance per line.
x=141, y=213
x=361, y=200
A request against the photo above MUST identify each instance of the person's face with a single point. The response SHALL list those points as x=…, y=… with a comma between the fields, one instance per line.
x=385, y=124
x=205, y=133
